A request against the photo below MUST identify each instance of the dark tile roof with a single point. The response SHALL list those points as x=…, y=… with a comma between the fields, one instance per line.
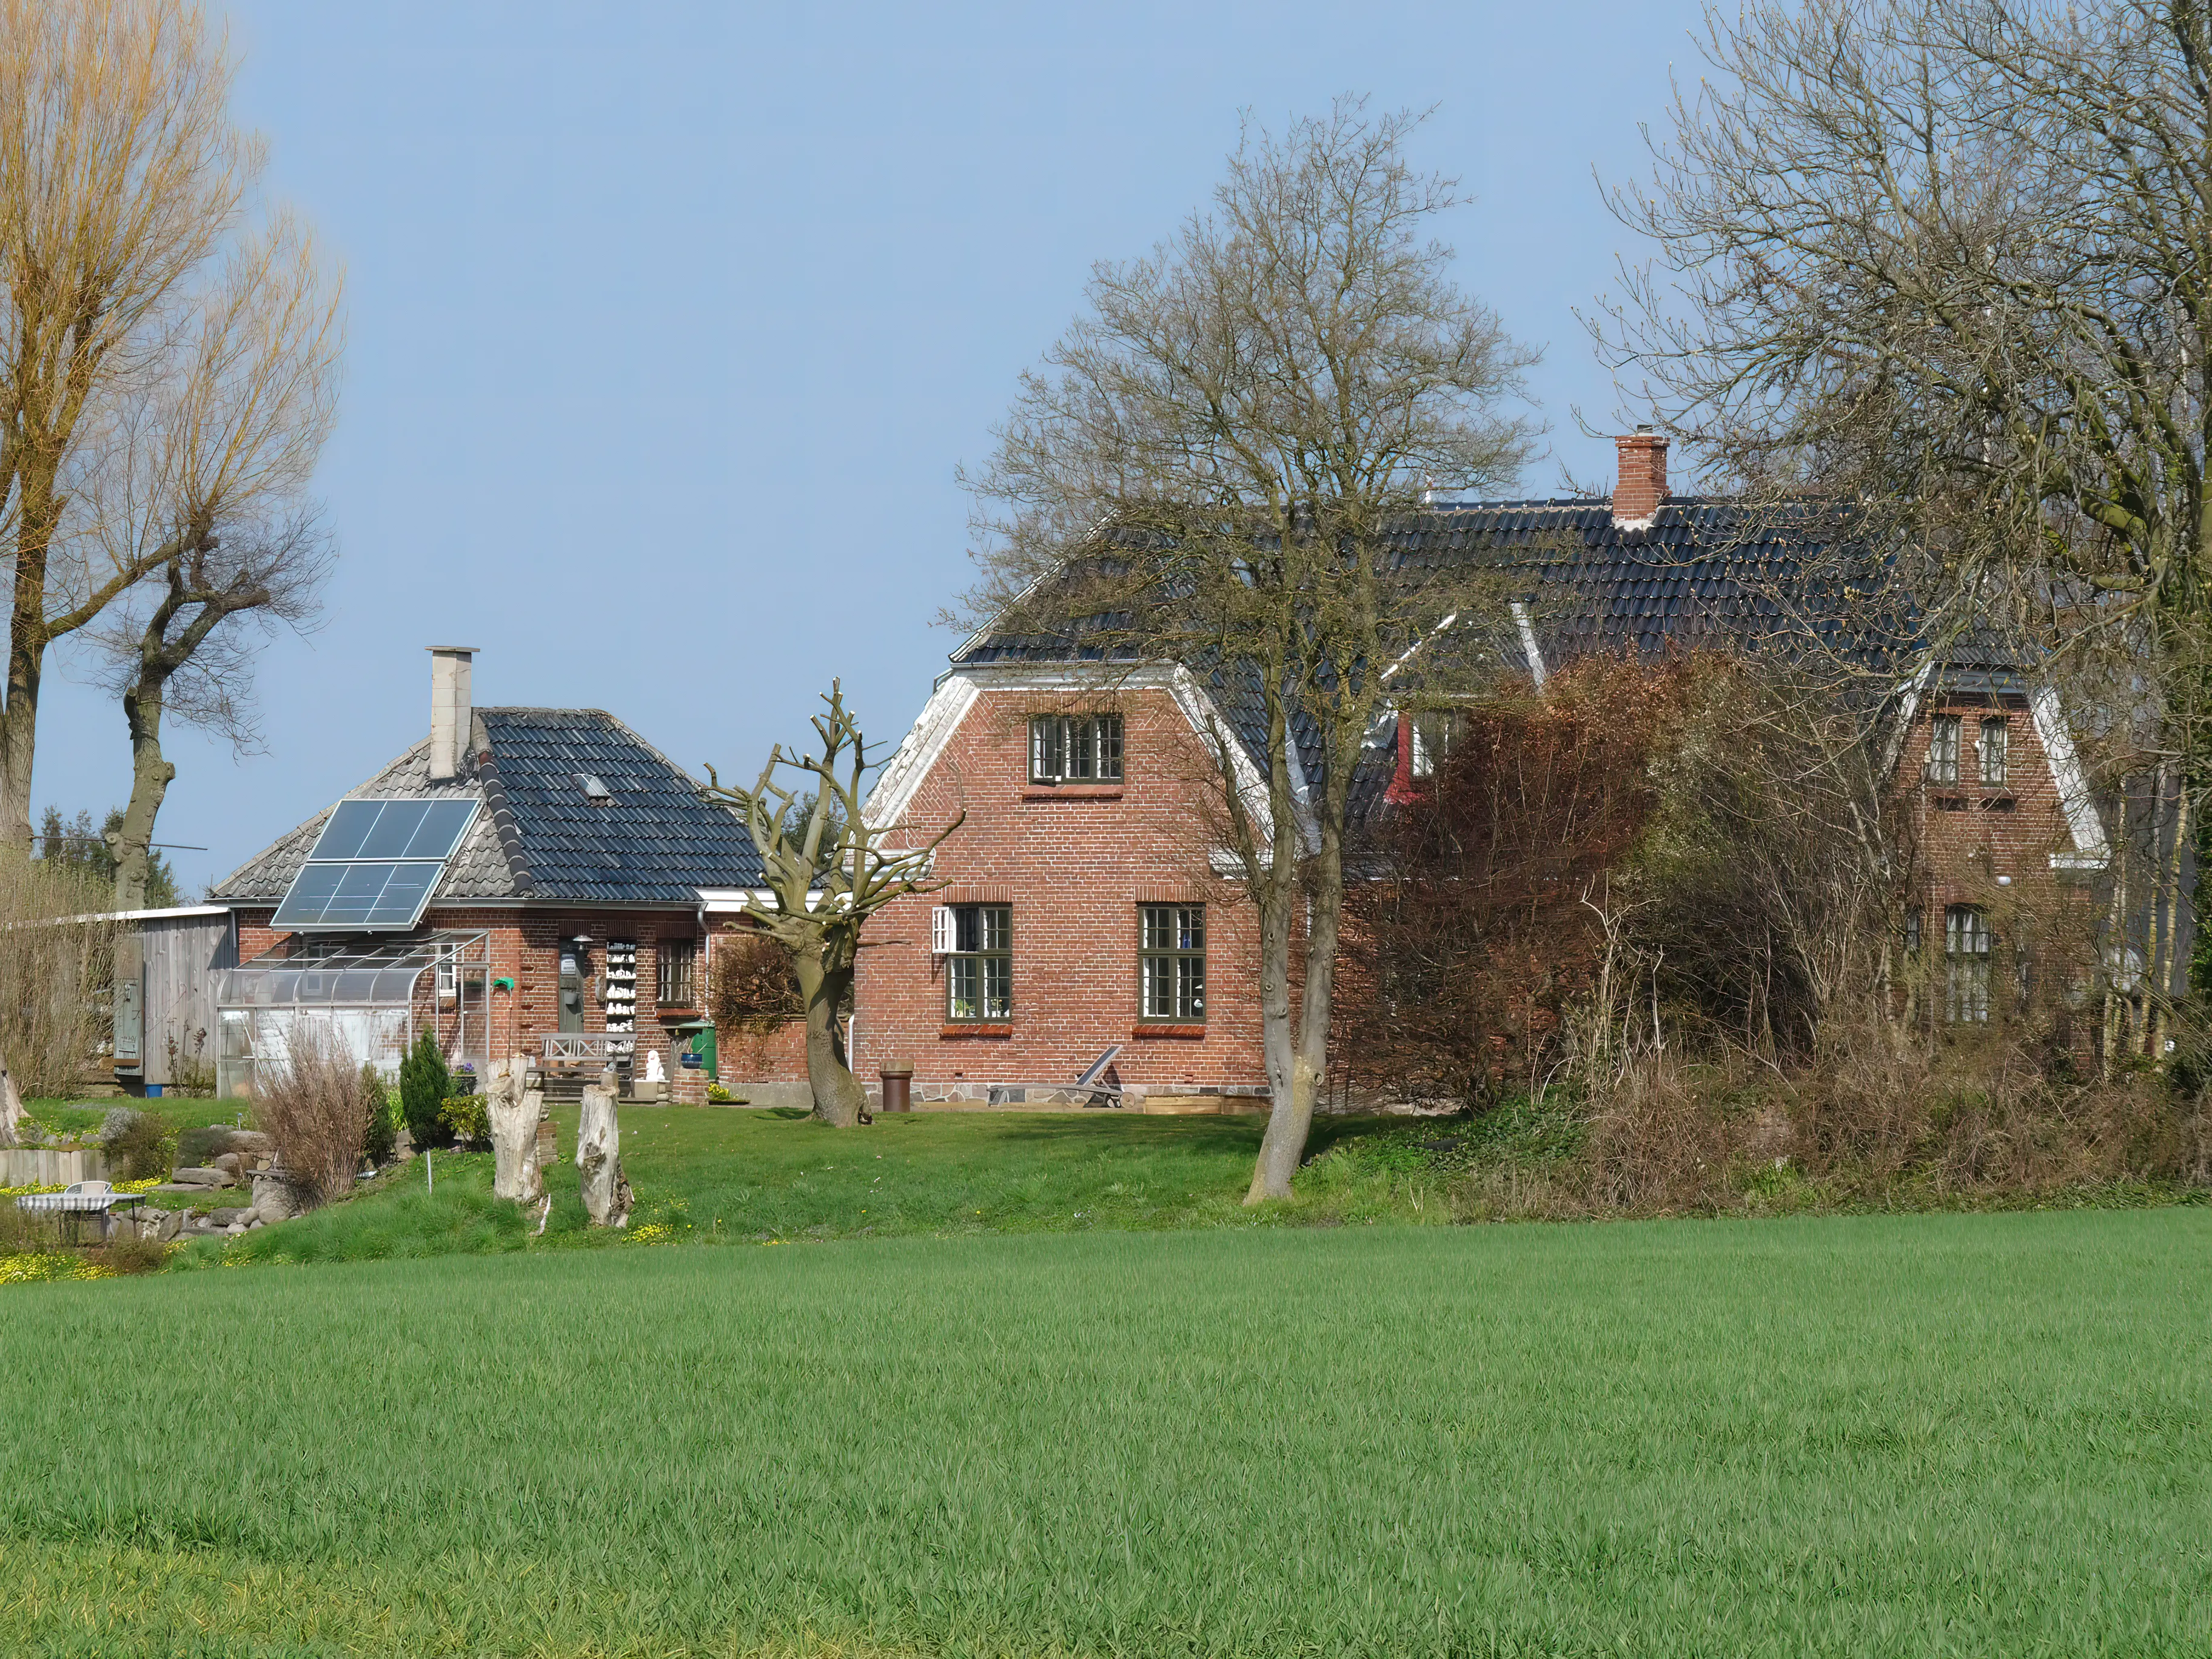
x=1699, y=574
x=538, y=837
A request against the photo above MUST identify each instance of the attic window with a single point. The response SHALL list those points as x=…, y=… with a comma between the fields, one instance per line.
x=595, y=791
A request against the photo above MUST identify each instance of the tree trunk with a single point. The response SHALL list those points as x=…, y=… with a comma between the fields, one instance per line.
x=1284, y=1143
x=838, y=1099
x=513, y=1110
x=27, y=652
x=598, y=1156
x=150, y=777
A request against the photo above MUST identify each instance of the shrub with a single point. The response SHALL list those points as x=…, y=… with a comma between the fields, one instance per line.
x=466, y=1118
x=380, y=1136
x=138, y=1145
x=751, y=988
x=135, y=1255
x=311, y=1107
x=717, y=1095
x=425, y=1084
x=54, y=1014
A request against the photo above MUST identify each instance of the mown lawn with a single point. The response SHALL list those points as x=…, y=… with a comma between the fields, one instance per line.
x=746, y=1176
x=1966, y=1434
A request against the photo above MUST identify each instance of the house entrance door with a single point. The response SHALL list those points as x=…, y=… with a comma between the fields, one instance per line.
x=572, y=989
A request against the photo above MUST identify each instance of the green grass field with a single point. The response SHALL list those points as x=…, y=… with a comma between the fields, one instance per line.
x=1965, y=1434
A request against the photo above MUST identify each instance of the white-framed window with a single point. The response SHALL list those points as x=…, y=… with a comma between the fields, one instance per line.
x=449, y=980
x=1435, y=733
x=979, y=970
x=1965, y=965
x=1075, y=748
x=1944, y=735
x=1995, y=744
x=1171, y=963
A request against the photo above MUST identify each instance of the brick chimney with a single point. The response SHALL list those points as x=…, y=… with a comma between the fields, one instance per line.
x=1643, y=483
x=452, y=709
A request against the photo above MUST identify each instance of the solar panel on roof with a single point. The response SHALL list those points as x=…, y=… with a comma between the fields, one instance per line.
x=376, y=864
x=394, y=830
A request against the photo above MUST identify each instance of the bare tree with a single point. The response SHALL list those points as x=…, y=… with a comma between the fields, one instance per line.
x=136, y=308
x=1951, y=260
x=827, y=874
x=193, y=659
x=1207, y=469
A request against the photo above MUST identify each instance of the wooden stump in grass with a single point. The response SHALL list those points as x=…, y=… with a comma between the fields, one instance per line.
x=511, y=1107
x=598, y=1156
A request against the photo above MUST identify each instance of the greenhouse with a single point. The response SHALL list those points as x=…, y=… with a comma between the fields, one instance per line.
x=367, y=996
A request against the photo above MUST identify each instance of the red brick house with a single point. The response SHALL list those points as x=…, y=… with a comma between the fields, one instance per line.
x=1085, y=911
x=525, y=880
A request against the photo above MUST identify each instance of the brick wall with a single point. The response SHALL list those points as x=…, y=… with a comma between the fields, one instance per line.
x=525, y=946
x=1073, y=863
x=1989, y=845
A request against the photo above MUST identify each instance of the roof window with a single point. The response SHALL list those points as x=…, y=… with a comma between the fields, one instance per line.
x=595, y=791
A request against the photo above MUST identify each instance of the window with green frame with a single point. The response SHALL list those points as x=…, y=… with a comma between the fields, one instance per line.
x=1171, y=963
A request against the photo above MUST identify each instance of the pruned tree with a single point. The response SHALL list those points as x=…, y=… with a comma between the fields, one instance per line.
x=191, y=658
x=165, y=367
x=1207, y=469
x=1951, y=260
x=827, y=872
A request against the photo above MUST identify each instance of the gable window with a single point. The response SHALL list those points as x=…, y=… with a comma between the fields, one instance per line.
x=1996, y=741
x=1171, y=962
x=1075, y=748
x=678, y=963
x=1965, y=965
x=979, y=970
x=1433, y=736
x=1944, y=748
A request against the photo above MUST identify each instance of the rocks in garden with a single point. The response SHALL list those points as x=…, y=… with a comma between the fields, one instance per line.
x=275, y=1198
x=512, y=1110
x=171, y=1223
x=229, y=1164
x=201, y=1176
x=228, y=1217
x=598, y=1156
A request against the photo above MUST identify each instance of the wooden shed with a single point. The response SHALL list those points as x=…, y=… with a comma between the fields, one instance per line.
x=165, y=1014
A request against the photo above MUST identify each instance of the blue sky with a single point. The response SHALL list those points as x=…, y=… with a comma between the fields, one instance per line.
x=668, y=324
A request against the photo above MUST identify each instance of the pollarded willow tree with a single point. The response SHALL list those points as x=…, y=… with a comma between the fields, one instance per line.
x=1951, y=260
x=827, y=874
x=166, y=354
x=1207, y=469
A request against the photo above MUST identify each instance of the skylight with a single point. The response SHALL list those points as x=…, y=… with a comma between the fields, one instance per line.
x=376, y=864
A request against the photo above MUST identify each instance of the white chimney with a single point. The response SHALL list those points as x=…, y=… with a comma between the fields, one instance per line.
x=452, y=710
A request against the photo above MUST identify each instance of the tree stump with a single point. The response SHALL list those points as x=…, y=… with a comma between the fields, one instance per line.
x=11, y=1108
x=598, y=1156
x=512, y=1108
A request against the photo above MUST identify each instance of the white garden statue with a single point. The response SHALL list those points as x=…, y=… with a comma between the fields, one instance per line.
x=653, y=1073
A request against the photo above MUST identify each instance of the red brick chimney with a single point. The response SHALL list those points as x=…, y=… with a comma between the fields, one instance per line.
x=1643, y=483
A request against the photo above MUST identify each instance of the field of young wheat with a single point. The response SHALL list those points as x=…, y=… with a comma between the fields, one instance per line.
x=1957, y=1434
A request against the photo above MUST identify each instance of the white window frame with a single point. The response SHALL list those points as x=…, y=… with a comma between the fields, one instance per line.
x=1076, y=747
x=1945, y=734
x=1993, y=745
